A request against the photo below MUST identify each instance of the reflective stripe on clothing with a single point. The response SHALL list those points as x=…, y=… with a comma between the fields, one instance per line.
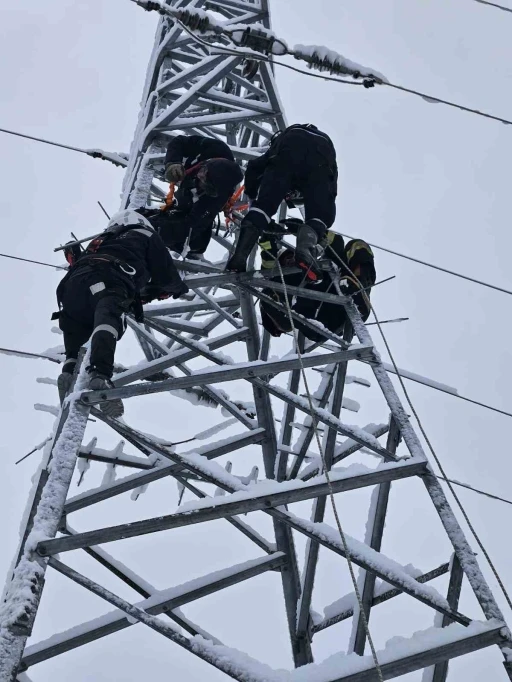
x=106, y=328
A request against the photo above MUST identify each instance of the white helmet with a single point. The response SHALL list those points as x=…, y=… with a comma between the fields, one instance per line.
x=128, y=217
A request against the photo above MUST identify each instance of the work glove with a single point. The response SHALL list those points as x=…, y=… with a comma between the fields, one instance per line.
x=174, y=172
x=176, y=290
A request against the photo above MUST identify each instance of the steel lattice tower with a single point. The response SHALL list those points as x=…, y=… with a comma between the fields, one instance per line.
x=192, y=90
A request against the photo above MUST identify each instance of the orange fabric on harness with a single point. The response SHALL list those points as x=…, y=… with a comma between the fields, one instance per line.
x=230, y=204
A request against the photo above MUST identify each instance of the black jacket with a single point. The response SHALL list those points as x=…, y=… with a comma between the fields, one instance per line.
x=319, y=140
x=192, y=149
x=137, y=249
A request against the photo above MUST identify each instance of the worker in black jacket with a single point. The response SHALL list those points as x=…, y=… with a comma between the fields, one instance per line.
x=356, y=270
x=102, y=286
x=207, y=174
x=300, y=165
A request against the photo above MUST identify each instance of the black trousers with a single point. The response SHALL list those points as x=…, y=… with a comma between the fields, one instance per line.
x=304, y=162
x=94, y=301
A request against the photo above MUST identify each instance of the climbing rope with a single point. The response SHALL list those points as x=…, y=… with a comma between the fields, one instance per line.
x=329, y=482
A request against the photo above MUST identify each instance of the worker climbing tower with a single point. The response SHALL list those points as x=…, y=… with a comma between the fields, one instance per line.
x=209, y=349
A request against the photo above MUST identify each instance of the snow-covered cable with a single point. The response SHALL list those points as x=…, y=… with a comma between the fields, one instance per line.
x=116, y=159
x=263, y=42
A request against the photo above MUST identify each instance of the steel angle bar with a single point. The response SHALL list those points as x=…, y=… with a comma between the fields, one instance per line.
x=216, y=278
x=431, y=656
x=301, y=648
x=305, y=527
x=440, y=671
x=319, y=505
x=263, y=501
x=288, y=416
x=228, y=404
x=213, y=305
x=25, y=585
x=298, y=318
x=183, y=122
x=203, y=652
x=176, y=357
x=199, y=69
x=380, y=599
x=375, y=525
x=243, y=527
x=183, y=326
x=117, y=461
x=167, y=119
x=132, y=482
x=309, y=435
x=192, y=307
x=226, y=373
x=157, y=605
x=321, y=415
x=343, y=452
x=452, y=527
x=137, y=584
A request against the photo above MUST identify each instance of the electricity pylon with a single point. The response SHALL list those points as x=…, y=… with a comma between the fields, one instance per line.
x=192, y=89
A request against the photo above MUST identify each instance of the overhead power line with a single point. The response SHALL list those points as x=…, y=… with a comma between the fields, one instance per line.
x=116, y=159
x=493, y=4
x=37, y=262
x=264, y=46
x=437, y=267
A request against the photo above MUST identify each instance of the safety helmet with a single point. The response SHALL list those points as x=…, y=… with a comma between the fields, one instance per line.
x=126, y=218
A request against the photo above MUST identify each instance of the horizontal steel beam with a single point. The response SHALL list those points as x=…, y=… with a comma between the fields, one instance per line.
x=192, y=307
x=424, y=659
x=231, y=508
x=227, y=373
x=176, y=358
x=183, y=594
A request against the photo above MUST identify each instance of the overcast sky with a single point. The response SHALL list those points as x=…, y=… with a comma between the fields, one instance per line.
x=421, y=178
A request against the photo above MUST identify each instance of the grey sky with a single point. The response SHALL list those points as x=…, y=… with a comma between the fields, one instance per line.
x=417, y=177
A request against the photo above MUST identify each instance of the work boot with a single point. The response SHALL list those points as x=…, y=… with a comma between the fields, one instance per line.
x=305, y=253
x=100, y=382
x=64, y=382
x=249, y=235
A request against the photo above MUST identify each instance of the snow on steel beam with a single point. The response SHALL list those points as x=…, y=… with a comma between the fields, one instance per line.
x=349, y=447
x=241, y=502
x=23, y=594
x=465, y=554
x=301, y=647
x=198, y=646
x=374, y=534
x=419, y=654
x=340, y=610
x=215, y=375
x=136, y=480
x=367, y=558
x=169, y=114
x=325, y=417
x=185, y=307
x=160, y=602
x=319, y=505
x=175, y=358
x=184, y=122
x=199, y=69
